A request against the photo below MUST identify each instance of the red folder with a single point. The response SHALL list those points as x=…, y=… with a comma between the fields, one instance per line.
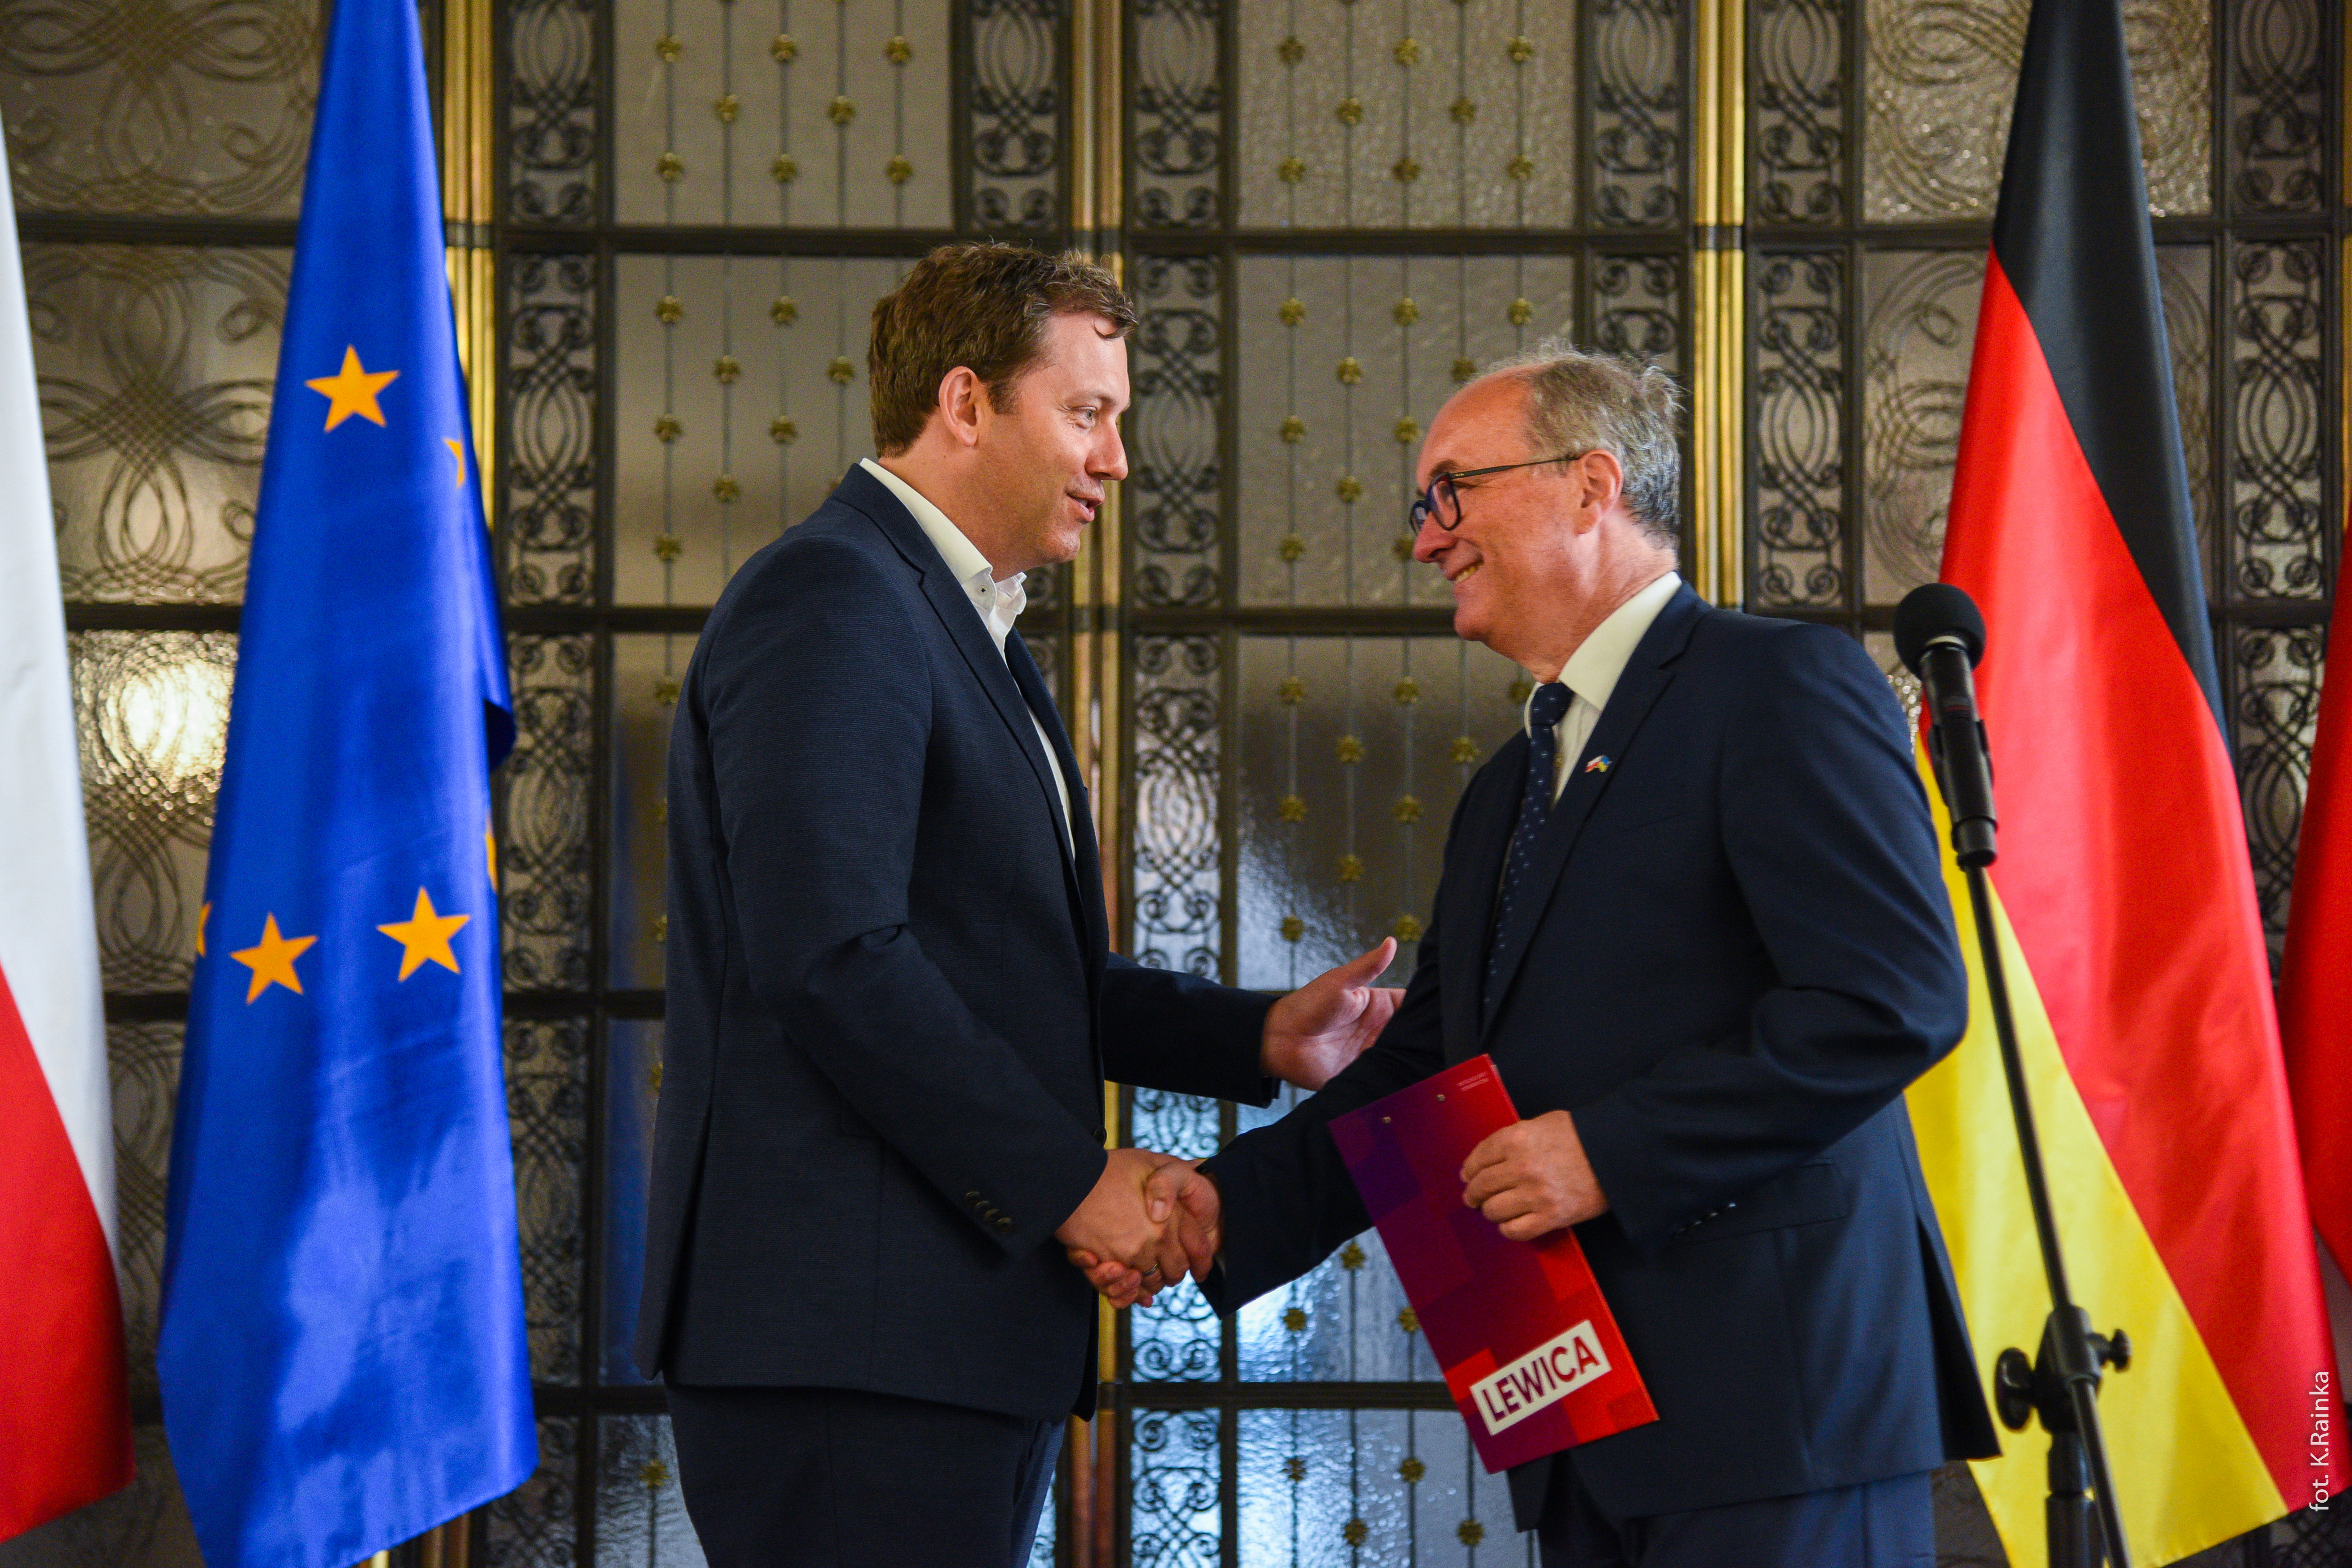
x=1529, y=1348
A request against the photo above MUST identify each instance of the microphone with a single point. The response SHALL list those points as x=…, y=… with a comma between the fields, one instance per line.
x=1940, y=636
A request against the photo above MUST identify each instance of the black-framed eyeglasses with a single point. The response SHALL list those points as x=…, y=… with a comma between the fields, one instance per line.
x=1442, y=502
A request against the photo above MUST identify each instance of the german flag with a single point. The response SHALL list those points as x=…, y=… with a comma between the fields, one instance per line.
x=2136, y=949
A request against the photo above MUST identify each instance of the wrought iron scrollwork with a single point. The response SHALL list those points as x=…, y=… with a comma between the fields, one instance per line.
x=2276, y=702
x=1916, y=336
x=546, y=1109
x=1016, y=97
x=1637, y=305
x=1179, y=114
x=1798, y=463
x=551, y=442
x=1177, y=471
x=1637, y=113
x=533, y=1525
x=1800, y=91
x=1177, y=1337
x=544, y=854
x=2277, y=531
x=552, y=111
x=2277, y=108
x=144, y=1070
x=1174, y=1509
x=1177, y=760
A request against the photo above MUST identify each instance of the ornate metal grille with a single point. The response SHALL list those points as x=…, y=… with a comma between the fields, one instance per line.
x=1331, y=214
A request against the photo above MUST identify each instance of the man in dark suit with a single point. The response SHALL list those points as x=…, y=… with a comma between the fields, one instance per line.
x=1695, y=913
x=891, y=1004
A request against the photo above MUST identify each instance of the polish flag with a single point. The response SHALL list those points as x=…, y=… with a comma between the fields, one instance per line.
x=65, y=1415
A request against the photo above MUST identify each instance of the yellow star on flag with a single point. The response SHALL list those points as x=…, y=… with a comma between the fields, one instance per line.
x=424, y=935
x=456, y=450
x=272, y=963
x=203, y=913
x=353, y=390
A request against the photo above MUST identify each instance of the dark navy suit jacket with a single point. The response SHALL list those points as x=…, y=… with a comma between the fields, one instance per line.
x=891, y=1002
x=1732, y=952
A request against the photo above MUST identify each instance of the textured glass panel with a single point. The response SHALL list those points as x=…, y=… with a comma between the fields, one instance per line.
x=1346, y=1320
x=151, y=709
x=144, y=1067
x=552, y=110
x=1179, y=114
x=2274, y=687
x=1341, y=1489
x=1176, y=770
x=1637, y=113
x=533, y=1525
x=2277, y=106
x=1041, y=1551
x=547, y=1111
x=632, y=1087
x=847, y=102
x=1942, y=78
x=543, y=853
x=1798, y=93
x=1174, y=1465
x=1336, y=853
x=146, y=1525
x=1015, y=98
x=155, y=368
x=741, y=393
x=159, y=106
x=2277, y=529
x=1397, y=114
x=1174, y=468
x=646, y=671
x=1920, y=324
x=549, y=439
x=1797, y=456
x=1344, y=360
x=640, y=1516
x=1177, y=1337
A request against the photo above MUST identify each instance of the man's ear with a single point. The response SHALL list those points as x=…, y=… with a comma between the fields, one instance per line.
x=961, y=395
x=1603, y=479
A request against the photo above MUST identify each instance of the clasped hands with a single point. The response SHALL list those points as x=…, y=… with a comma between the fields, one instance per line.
x=1530, y=1179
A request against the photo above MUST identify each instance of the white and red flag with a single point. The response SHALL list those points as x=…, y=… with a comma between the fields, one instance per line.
x=64, y=1417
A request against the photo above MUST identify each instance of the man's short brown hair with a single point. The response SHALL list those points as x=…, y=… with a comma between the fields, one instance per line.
x=982, y=306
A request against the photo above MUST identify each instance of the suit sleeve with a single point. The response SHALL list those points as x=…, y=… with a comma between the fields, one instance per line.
x=1287, y=1199
x=818, y=700
x=1164, y=1029
x=1828, y=836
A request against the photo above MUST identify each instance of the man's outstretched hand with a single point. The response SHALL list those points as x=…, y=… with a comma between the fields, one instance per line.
x=1114, y=1225
x=1327, y=1023
x=1178, y=1196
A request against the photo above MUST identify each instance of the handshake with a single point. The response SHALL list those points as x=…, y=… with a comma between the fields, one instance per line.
x=1150, y=1219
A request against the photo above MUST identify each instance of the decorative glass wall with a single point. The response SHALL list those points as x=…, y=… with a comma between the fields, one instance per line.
x=669, y=219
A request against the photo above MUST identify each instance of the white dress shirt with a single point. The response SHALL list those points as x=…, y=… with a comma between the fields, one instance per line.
x=997, y=601
x=1592, y=671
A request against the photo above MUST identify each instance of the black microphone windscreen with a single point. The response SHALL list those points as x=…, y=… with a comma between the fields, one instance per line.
x=1935, y=610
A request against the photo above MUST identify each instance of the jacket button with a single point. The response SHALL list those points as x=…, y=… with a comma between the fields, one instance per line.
x=1002, y=1223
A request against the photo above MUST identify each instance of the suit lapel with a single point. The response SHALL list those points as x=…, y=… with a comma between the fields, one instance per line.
x=1080, y=856
x=1466, y=911
x=1647, y=675
x=962, y=622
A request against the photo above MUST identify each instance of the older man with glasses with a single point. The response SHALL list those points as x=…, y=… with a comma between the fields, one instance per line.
x=1694, y=913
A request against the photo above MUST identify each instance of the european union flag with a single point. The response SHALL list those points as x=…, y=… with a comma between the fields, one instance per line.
x=343, y=1353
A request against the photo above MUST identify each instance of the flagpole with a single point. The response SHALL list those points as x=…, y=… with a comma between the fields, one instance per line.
x=1940, y=635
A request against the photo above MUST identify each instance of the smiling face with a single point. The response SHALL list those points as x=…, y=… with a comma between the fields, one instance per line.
x=1517, y=558
x=1045, y=460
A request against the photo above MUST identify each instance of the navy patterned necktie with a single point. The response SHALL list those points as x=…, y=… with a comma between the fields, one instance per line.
x=1545, y=711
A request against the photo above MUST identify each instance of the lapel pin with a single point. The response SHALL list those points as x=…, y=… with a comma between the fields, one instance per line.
x=1597, y=765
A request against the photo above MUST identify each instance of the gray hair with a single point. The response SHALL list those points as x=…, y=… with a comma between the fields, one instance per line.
x=1582, y=402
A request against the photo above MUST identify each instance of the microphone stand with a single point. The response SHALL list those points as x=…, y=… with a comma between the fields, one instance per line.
x=2061, y=1383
